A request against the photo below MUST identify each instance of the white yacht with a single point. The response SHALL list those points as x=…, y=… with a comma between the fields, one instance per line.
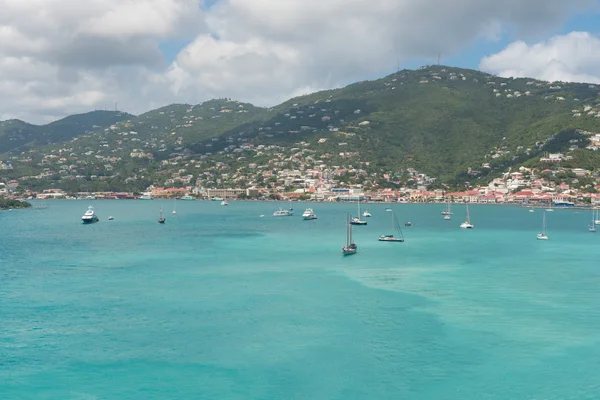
x=224, y=203
x=356, y=220
x=90, y=216
x=145, y=196
x=309, y=214
x=283, y=213
x=467, y=224
x=187, y=197
x=367, y=214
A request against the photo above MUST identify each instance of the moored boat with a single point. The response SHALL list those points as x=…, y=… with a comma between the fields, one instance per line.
x=90, y=216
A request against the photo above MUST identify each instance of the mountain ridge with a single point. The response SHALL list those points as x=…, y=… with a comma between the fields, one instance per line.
x=450, y=123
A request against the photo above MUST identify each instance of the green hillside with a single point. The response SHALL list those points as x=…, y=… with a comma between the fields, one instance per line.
x=449, y=123
x=17, y=136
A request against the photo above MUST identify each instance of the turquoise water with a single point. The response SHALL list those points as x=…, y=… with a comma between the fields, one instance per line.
x=220, y=303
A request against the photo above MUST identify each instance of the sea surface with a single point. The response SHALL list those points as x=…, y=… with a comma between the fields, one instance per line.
x=221, y=303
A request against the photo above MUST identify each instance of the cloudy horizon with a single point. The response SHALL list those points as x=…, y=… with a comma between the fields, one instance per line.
x=62, y=57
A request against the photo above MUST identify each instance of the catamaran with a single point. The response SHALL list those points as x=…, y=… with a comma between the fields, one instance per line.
x=395, y=228
x=350, y=247
x=467, y=224
x=356, y=220
x=544, y=234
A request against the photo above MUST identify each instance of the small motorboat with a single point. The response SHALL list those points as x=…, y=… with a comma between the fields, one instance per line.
x=408, y=223
x=111, y=218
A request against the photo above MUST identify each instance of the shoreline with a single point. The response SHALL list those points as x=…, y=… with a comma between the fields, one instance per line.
x=532, y=206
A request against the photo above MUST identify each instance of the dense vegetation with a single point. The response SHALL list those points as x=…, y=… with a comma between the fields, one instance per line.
x=6, y=204
x=17, y=136
x=453, y=124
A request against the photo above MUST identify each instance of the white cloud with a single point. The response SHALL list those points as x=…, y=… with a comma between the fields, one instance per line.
x=58, y=57
x=570, y=58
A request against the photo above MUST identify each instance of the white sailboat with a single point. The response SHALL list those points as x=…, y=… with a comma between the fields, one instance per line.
x=174, y=206
x=467, y=224
x=597, y=217
x=544, y=234
x=367, y=214
x=549, y=209
x=592, y=227
x=447, y=210
x=161, y=217
x=356, y=220
x=395, y=227
x=350, y=247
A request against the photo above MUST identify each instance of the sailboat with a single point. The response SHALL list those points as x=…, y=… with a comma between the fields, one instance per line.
x=543, y=235
x=174, y=206
x=395, y=227
x=161, y=217
x=549, y=209
x=350, y=247
x=597, y=218
x=592, y=227
x=356, y=220
x=447, y=210
x=467, y=224
x=367, y=214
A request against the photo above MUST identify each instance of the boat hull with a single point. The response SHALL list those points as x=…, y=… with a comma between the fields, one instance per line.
x=90, y=220
x=358, y=222
x=390, y=239
x=348, y=251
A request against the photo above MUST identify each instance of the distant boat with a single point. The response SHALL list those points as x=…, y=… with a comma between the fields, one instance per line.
x=350, y=247
x=217, y=199
x=356, y=220
x=174, y=206
x=592, y=227
x=544, y=234
x=467, y=224
x=367, y=214
x=395, y=228
x=407, y=223
x=187, y=197
x=161, y=217
x=531, y=210
x=111, y=218
x=549, y=209
x=90, y=216
x=224, y=203
x=447, y=210
x=596, y=218
x=145, y=196
x=309, y=214
x=284, y=213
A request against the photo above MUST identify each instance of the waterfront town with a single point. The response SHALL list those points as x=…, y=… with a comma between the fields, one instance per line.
x=521, y=187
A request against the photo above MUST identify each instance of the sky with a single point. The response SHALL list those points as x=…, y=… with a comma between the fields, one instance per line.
x=61, y=57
